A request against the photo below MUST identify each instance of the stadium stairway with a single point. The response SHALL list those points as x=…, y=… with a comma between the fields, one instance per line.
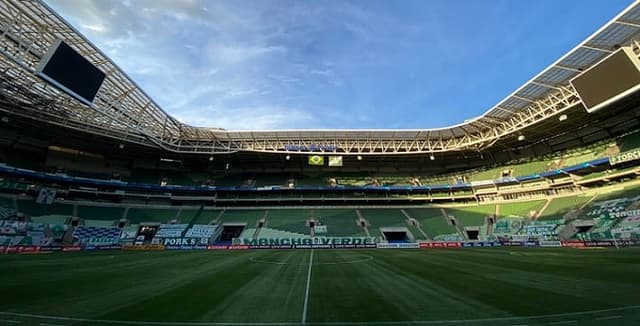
x=489, y=227
x=573, y=222
x=413, y=222
x=460, y=232
x=218, y=218
x=195, y=216
x=249, y=233
x=312, y=217
x=569, y=231
x=260, y=224
x=364, y=225
x=539, y=213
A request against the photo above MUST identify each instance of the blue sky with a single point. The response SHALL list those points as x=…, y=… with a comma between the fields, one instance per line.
x=333, y=64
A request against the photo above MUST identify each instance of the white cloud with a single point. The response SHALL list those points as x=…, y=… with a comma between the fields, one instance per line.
x=234, y=54
x=248, y=118
x=95, y=28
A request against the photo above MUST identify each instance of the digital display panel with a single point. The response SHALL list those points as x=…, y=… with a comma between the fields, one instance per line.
x=608, y=81
x=72, y=73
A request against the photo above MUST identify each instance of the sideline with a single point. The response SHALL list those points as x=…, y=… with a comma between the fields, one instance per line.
x=413, y=322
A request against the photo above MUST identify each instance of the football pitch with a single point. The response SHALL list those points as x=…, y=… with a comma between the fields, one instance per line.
x=493, y=286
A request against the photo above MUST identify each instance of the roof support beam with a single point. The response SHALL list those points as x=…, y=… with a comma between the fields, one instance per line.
x=626, y=23
x=595, y=48
x=545, y=85
x=524, y=98
x=568, y=68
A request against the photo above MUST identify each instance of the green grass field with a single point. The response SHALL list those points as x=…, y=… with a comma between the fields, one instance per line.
x=505, y=286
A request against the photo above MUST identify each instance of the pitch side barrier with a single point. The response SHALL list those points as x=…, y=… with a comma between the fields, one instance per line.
x=20, y=249
x=30, y=249
x=293, y=246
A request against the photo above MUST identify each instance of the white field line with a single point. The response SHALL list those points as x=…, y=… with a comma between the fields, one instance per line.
x=408, y=322
x=609, y=317
x=563, y=322
x=306, y=292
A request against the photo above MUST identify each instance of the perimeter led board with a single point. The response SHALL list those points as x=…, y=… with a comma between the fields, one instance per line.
x=609, y=80
x=69, y=71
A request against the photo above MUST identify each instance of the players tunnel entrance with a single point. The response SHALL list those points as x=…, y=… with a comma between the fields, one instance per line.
x=231, y=231
x=472, y=233
x=395, y=235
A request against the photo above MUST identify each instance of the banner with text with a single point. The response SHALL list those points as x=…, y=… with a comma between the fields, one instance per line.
x=307, y=241
x=185, y=243
x=625, y=157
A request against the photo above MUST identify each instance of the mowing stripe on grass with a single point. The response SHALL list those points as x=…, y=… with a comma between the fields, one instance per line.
x=306, y=294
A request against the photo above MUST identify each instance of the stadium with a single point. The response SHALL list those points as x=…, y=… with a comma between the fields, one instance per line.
x=114, y=212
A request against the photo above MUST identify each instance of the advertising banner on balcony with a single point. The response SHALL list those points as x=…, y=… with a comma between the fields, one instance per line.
x=320, y=229
x=46, y=196
x=625, y=157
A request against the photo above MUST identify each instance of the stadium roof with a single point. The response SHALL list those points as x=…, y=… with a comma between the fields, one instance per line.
x=124, y=111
